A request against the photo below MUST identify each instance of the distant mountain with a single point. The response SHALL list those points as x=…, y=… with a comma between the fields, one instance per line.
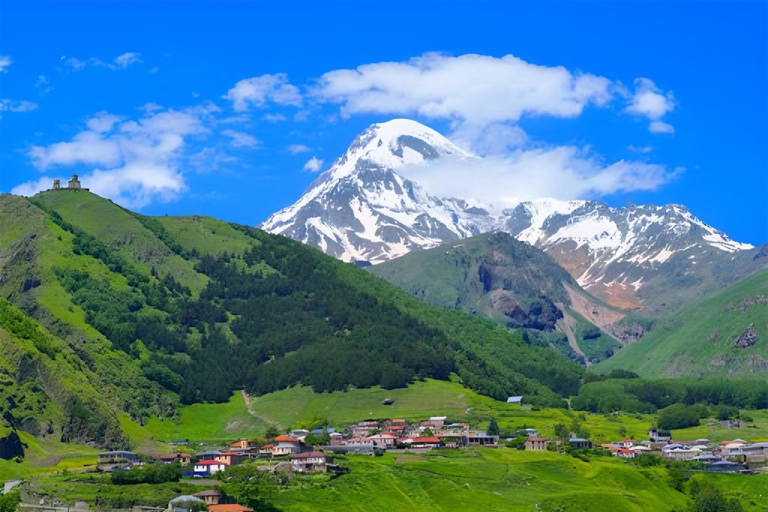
x=726, y=333
x=104, y=311
x=649, y=258
x=518, y=285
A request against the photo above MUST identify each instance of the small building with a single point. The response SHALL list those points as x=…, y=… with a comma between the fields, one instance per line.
x=579, y=443
x=207, y=455
x=626, y=453
x=56, y=185
x=242, y=444
x=182, y=502
x=209, y=467
x=540, y=443
x=210, y=497
x=181, y=458
x=229, y=507
x=515, y=400
x=453, y=439
x=108, y=461
x=232, y=458
x=299, y=433
x=731, y=423
x=426, y=442
x=337, y=438
x=309, y=462
x=483, y=440
x=286, y=445
x=659, y=436
x=434, y=422
x=74, y=183
x=383, y=440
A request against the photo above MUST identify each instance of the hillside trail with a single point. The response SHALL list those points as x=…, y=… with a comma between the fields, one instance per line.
x=249, y=408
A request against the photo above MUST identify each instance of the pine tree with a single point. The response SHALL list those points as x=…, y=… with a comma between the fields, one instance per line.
x=493, y=427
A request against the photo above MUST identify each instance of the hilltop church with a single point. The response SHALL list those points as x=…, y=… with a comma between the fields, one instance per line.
x=73, y=184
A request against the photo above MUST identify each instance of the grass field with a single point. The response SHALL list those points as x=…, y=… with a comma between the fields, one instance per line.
x=212, y=423
x=47, y=457
x=488, y=480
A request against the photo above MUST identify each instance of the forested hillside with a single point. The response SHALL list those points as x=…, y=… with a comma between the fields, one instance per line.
x=153, y=312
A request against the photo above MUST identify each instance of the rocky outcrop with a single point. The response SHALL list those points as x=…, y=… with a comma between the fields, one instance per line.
x=748, y=338
x=11, y=446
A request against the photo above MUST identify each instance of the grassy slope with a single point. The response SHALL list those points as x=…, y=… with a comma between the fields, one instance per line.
x=121, y=231
x=488, y=479
x=680, y=342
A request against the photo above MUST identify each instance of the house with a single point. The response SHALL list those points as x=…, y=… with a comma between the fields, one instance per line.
x=209, y=467
x=579, y=443
x=426, y=442
x=267, y=449
x=397, y=430
x=625, y=453
x=210, y=497
x=286, y=445
x=515, y=400
x=108, y=461
x=452, y=439
x=241, y=444
x=232, y=458
x=707, y=459
x=182, y=502
x=531, y=432
x=679, y=453
x=641, y=449
x=309, y=462
x=483, y=440
x=731, y=424
x=540, y=443
x=208, y=455
x=181, y=458
x=229, y=507
x=337, y=438
x=659, y=436
x=434, y=422
x=626, y=443
x=383, y=440
x=299, y=433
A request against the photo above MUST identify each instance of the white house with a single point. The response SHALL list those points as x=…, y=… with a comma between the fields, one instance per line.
x=210, y=466
x=383, y=440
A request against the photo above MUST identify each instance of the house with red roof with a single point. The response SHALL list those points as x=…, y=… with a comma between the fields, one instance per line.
x=209, y=467
x=426, y=442
x=383, y=440
x=286, y=445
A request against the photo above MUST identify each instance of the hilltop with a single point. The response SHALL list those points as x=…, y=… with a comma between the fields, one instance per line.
x=136, y=315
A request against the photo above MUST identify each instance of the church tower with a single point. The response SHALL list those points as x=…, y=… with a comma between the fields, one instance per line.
x=74, y=183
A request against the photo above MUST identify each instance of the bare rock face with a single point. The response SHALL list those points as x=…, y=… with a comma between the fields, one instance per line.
x=505, y=303
x=748, y=337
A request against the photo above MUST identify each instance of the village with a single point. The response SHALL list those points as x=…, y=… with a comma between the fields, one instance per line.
x=303, y=451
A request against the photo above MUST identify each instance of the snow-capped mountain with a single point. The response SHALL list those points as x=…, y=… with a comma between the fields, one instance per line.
x=361, y=209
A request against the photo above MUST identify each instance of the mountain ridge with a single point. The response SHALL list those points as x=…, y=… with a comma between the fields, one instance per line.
x=362, y=209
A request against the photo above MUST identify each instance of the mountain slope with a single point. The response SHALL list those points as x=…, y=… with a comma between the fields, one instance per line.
x=648, y=258
x=497, y=276
x=703, y=339
x=153, y=312
x=360, y=209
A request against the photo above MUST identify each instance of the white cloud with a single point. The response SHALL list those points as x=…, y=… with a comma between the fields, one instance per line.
x=31, y=188
x=43, y=85
x=126, y=59
x=259, y=90
x=5, y=62
x=660, y=127
x=120, y=62
x=314, y=164
x=240, y=139
x=273, y=118
x=102, y=122
x=475, y=89
x=298, y=148
x=17, y=105
x=209, y=159
x=150, y=107
x=640, y=149
x=132, y=162
x=562, y=172
x=651, y=102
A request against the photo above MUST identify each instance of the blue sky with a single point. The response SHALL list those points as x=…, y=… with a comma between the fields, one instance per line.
x=650, y=102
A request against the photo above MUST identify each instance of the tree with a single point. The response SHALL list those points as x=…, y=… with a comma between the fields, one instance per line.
x=493, y=427
x=561, y=431
x=10, y=501
x=272, y=432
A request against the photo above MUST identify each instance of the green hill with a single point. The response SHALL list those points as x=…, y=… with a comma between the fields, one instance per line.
x=122, y=314
x=702, y=339
x=496, y=276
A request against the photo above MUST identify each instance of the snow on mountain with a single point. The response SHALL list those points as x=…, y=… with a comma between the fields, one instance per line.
x=362, y=209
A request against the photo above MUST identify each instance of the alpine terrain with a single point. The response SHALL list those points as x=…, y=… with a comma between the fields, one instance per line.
x=649, y=258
